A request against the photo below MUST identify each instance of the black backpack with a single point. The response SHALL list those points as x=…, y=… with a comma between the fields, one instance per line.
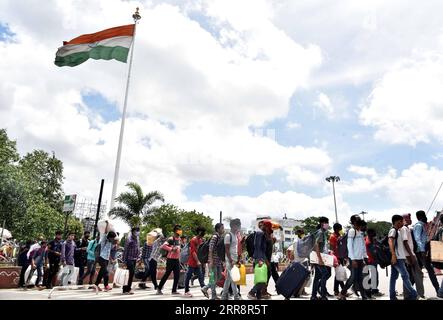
x=221, y=251
x=203, y=251
x=381, y=252
x=250, y=239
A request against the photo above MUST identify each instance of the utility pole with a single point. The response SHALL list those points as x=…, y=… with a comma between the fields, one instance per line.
x=363, y=214
x=97, y=216
x=221, y=217
x=334, y=179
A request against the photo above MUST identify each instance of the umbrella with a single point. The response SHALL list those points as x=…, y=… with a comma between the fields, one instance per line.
x=5, y=234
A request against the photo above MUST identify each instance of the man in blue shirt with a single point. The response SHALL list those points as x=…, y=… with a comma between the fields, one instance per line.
x=90, y=264
x=423, y=247
x=106, y=243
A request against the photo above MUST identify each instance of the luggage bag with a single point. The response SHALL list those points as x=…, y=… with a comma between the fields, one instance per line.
x=292, y=280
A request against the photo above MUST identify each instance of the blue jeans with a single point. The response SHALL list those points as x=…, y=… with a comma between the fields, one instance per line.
x=319, y=282
x=197, y=271
x=396, y=269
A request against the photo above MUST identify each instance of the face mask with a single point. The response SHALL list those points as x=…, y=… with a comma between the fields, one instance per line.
x=301, y=236
x=137, y=233
x=326, y=226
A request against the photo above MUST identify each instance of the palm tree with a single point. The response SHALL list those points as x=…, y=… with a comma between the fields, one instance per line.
x=135, y=205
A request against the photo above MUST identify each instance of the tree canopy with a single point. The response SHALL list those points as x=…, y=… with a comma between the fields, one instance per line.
x=168, y=215
x=135, y=205
x=31, y=194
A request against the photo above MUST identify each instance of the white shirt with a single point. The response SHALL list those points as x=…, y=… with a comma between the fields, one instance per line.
x=356, y=245
x=406, y=234
x=400, y=251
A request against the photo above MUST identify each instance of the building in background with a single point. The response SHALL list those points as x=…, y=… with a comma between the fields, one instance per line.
x=286, y=236
x=86, y=211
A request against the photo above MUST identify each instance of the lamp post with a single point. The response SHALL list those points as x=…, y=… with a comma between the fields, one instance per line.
x=334, y=179
x=363, y=214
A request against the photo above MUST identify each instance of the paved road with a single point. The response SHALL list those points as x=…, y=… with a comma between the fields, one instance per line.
x=85, y=294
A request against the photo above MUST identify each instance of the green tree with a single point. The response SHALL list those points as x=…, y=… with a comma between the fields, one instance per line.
x=41, y=220
x=135, y=205
x=44, y=175
x=381, y=227
x=310, y=224
x=190, y=220
x=31, y=193
x=8, y=149
x=13, y=197
x=168, y=215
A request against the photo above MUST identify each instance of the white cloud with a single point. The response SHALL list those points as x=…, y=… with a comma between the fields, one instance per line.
x=273, y=203
x=363, y=171
x=412, y=188
x=324, y=104
x=405, y=105
x=209, y=90
x=360, y=39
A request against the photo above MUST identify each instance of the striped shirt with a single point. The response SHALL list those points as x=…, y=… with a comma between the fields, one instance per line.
x=213, y=248
x=132, y=250
x=146, y=251
x=156, y=253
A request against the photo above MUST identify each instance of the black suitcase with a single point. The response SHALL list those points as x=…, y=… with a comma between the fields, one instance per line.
x=292, y=280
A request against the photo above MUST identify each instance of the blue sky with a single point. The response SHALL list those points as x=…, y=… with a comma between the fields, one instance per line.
x=349, y=89
x=5, y=32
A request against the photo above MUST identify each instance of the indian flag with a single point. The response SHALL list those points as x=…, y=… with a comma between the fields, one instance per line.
x=113, y=43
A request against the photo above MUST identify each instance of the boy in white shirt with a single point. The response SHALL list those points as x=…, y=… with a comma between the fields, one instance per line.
x=398, y=260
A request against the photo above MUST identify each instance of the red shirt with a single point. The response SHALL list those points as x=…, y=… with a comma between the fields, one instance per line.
x=371, y=259
x=193, y=247
x=333, y=243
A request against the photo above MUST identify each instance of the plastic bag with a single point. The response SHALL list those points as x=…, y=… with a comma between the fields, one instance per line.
x=235, y=274
x=101, y=226
x=340, y=273
x=242, y=281
x=211, y=278
x=260, y=274
x=33, y=278
x=121, y=277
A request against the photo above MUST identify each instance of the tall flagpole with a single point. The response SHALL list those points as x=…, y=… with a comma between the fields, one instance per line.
x=136, y=16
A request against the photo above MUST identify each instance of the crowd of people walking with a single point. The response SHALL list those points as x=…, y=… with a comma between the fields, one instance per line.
x=358, y=251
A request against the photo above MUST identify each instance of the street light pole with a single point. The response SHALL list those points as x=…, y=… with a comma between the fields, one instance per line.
x=363, y=214
x=334, y=179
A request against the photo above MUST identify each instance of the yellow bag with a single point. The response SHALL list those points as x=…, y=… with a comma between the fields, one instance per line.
x=242, y=281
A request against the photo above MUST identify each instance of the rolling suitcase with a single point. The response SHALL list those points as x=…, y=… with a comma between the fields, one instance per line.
x=292, y=280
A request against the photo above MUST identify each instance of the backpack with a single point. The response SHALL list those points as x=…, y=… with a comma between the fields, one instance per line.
x=342, y=245
x=184, y=254
x=203, y=251
x=221, y=251
x=306, y=245
x=381, y=252
x=163, y=252
x=250, y=244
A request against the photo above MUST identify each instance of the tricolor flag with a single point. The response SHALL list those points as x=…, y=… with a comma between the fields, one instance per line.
x=113, y=43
